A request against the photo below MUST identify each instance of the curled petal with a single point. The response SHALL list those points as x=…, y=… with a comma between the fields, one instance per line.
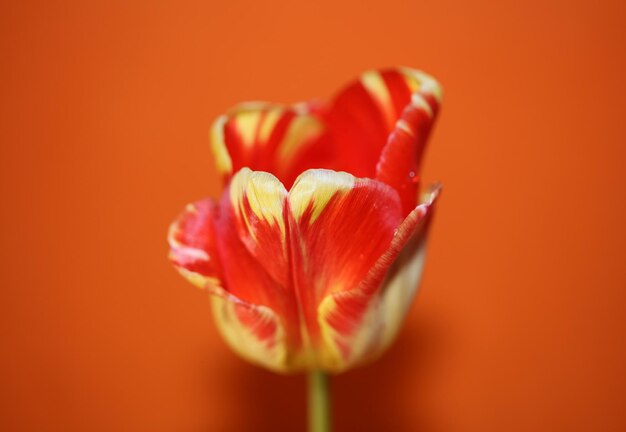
x=380, y=124
x=193, y=248
x=267, y=137
x=357, y=325
x=400, y=160
x=339, y=226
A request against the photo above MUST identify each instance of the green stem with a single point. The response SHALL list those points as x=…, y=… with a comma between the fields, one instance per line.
x=319, y=402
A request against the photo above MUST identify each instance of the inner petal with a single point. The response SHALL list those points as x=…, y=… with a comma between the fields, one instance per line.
x=363, y=115
x=278, y=139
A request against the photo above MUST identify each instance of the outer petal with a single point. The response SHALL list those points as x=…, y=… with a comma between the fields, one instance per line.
x=339, y=226
x=268, y=137
x=193, y=249
x=401, y=102
x=360, y=323
x=252, y=241
x=254, y=331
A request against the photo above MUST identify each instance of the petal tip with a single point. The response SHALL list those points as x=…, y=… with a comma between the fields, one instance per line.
x=433, y=192
x=427, y=83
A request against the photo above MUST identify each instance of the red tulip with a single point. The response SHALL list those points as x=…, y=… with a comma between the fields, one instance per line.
x=314, y=252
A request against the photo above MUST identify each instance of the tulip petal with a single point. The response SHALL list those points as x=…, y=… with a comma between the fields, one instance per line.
x=193, y=249
x=339, y=226
x=252, y=241
x=359, y=124
x=400, y=160
x=380, y=124
x=257, y=201
x=253, y=331
x=357, y=325
x=268, y=137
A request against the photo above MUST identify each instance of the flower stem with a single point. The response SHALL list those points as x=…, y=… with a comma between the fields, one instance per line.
x=319, y=402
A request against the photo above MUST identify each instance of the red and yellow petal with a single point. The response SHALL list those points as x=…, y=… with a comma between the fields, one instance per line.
x=357, y=325
x=253, y=331
x=400, y=159
x=253, y=246
x=206, y=249
x=339, y=226
x=257, y=202
x=266, y=137
x=193, y=248
x=380, y=124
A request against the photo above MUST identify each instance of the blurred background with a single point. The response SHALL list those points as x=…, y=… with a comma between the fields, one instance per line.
x=104, y=115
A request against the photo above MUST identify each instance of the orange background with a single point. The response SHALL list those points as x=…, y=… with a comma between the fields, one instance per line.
x=105, y=110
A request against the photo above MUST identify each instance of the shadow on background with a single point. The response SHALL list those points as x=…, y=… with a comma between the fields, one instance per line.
x=369, y=399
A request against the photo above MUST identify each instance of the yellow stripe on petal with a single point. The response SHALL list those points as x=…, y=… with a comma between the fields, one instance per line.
x=420, y=81
x=263, y=192
x=330, y=355
x=198, y=280
x=338, y=351
x=269, y=122
x=247, y=124
x=253, y=331
x=418, y=101
x=405, y=127
x=302, y=129
x=376, y=86
x=223, y=161
x=400, y=289
x=316, y=188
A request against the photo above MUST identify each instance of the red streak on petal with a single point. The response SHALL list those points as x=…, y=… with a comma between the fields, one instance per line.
x=336, y=251
x=253, y=281
x=398, y=89
x=351, y=305
x=262, y=328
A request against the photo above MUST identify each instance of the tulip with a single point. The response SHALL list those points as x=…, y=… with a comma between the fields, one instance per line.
x=314, y=251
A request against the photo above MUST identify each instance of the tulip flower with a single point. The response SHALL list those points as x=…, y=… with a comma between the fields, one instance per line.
x=314, y=251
